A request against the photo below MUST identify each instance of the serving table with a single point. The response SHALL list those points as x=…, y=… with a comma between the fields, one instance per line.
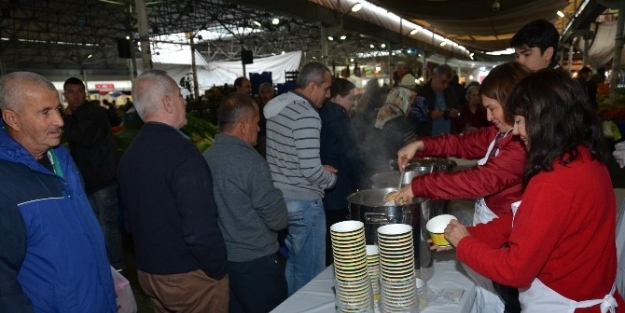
x=318, y=295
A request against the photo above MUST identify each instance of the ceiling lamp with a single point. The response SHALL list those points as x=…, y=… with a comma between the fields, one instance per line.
x=414, y=31
x=330, y=38
x=356, y=7
x=383, y=45
x=371, y=46
x=443, y=43
x=560, y=14
x=275, y=21
x=257, y=23
x=343, y=37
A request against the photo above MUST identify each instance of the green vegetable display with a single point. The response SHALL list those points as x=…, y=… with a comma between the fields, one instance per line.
x=200, y=131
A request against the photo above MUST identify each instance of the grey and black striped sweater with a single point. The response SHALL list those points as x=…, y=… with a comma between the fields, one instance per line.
x=293, y=129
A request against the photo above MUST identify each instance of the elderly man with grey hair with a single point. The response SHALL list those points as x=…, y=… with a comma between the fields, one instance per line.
x=52, y=252
x=293, y=132
x=251, y=210
x=168, y=190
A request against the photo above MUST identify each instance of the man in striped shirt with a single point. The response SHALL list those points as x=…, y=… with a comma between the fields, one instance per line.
x=293, y=130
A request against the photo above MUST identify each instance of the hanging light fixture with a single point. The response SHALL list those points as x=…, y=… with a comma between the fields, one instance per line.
x=356, y=7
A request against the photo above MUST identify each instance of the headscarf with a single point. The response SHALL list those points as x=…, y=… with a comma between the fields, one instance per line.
x=397, y=103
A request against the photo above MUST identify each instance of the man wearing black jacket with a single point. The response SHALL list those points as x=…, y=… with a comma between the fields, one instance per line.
x=93, y=148
x=168, y=190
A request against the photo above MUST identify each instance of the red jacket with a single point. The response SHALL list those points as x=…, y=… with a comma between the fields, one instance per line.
x=499, y=181
x=563, y=233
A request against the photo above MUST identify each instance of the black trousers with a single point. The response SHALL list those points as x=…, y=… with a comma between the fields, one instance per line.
x=510, y=297
x=256, y=286
x=332, y=217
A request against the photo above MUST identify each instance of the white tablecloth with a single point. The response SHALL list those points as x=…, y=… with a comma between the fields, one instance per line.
x=318, y=295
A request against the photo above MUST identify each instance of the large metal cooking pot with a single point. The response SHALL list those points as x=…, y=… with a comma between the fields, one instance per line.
x=368, y=207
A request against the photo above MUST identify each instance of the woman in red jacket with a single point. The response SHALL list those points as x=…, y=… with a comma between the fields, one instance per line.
x=560, y=240
x=496, y=182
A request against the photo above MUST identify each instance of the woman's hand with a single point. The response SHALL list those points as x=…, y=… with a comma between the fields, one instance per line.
x=439, y=248
x=403, y=196
x=406, y=153
x=454, y=232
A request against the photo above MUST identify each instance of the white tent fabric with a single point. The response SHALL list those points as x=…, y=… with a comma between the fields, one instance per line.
x=221, y=73
x=602, y=49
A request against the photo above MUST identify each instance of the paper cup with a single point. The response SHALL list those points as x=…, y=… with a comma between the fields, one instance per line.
x=436, y=228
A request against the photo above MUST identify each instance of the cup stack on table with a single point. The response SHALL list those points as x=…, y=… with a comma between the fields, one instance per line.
x=397, y=272
x=373, y=268
x=352, y=283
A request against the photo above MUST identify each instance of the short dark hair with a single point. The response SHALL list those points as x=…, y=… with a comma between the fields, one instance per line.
x=341, y=87
x=537, y=33
x=239, y=81
x=559, y=119
x=234, y=108
x=443, y=69
x=311, y=72
x=73, y=81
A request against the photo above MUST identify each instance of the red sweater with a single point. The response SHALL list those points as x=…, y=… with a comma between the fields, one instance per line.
x=563, y=234
x=499, y=181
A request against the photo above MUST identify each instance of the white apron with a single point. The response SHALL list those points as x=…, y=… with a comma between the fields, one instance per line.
x=486, y=299
x=540, y=298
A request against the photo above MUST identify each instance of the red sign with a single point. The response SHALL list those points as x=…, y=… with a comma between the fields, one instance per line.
x=104, y=86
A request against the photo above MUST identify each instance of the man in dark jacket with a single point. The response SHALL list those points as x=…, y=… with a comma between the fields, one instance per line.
x=443, y=104
x=168, y=190
x=52, y=253
x=93, y=148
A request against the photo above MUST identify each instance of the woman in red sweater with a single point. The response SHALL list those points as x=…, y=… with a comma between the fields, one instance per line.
x=560, y=241
x=496, y=182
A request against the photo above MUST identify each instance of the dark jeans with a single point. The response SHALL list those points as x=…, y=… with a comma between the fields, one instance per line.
x=105, y=207
x=332, y=217
x=256, y=286
x=510, y=297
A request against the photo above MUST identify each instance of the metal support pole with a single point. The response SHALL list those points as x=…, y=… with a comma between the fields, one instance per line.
x=196, y=88
x=144, y=36
x=587, y=36
x=324, y=45
x=571, y=58
x=618, y=51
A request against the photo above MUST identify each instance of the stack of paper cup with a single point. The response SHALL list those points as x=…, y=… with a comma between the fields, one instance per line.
x=397, y=272
x=352, y=283
x=373, y=268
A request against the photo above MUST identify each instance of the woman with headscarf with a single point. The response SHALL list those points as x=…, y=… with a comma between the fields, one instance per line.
x=393, y=129
x=560, y=240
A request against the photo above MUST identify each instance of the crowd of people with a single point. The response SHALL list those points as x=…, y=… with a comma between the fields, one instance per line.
x=245, y=224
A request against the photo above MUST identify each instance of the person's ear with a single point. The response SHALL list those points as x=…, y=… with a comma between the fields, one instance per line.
x=10, y=119
x=167, y=104
x=548, y=53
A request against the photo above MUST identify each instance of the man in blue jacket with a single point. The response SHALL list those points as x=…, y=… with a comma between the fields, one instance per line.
x=52, y=252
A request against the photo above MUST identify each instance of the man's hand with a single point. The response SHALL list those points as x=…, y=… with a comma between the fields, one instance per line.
x=437, y=113
x=454, y=114
x=330, y=169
